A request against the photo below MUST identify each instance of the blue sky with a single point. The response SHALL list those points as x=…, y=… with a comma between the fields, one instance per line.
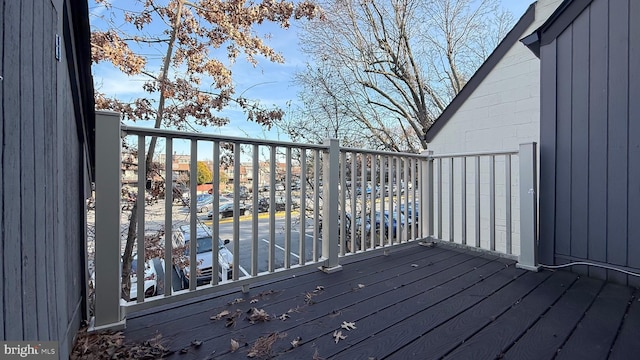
x=268, y=82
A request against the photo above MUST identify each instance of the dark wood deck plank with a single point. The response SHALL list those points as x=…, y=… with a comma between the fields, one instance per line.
x=495, y=338
x=596, y=332
x=189, y=311
x=626, y=345
x=437, y=342
x=182, y=331
x=400, y=297
x=327, y=301
x=406, y=329
x=416, y=303
x=543, y=340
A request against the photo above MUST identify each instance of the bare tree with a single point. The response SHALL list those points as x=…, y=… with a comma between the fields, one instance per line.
x=392, y=66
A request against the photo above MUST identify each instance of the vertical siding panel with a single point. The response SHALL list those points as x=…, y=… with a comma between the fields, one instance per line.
x=12, y=253
x=633, y=255
x=598, y=93
x=2, y=117
x=40, y=79
x=27, y=166
x=563, y=144
x=580, y=137
x=547, y=152
x=617, y=135
x=51, y=114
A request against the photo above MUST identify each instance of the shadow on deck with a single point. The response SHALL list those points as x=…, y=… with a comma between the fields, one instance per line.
x=417, y=302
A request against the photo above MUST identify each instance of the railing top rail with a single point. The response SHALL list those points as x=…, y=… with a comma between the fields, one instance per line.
x=134, y=130
x=381, y=152
x=473, y=154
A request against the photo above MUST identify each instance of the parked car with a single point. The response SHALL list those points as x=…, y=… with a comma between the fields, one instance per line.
x=391, y=223
x=226, y=210
x=412, y=211
x=204, y=259
x=150, y=279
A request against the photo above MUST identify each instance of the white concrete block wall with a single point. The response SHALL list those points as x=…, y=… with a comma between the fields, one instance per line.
x=502, y=113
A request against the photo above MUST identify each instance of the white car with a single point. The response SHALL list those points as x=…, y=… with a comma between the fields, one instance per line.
x=204, y=256
x=150, y=279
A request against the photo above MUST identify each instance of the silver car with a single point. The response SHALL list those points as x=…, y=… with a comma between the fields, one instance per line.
x=204, y=251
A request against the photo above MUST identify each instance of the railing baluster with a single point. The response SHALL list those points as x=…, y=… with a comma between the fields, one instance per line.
x=440, y=198
x=492, y=202
x=414, y=203
x=193, y=234
x=354, y=161
x=255, y=196
x=316, y=202
x=405, y=188
x=383, y=195
x=507, y=186
x=398, y=233
x=272, y=209
x=451, y=204
x=388, y=233
x=477, y=193
x=463, y=182
x=303, y=207
x=236, y=214
x=168, y=220
x=343, y=206
x=287, y=211
x=363, y=203
x=215, y=217
x=141, y=248
x=372, y=199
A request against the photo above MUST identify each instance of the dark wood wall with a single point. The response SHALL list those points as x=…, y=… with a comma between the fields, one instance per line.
x=590, y=140
x=43, y=181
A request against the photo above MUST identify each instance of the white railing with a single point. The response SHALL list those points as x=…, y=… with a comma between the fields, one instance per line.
x=377, y=200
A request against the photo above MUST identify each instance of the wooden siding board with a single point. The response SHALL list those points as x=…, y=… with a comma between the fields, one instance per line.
x=27, y=170
x=626, y=345
x=439, y=342
x=580, y=137
x=404, y=332
x=2, y=117
x=12, y=252
x=51, y=143
x=617, y=135
x=563, y=144
x=596, y=332
x=598, y=134
x=40, y=78
x=633, y=248
x=550, y=332
x=498, y=336
x=547, y=153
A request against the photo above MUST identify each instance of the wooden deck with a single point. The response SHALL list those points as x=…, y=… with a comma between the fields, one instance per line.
x=416, y=303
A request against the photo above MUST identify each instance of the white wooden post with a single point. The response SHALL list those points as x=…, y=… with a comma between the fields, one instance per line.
x=426, y=196
x=107, y=232
x=330, y=180
x=528, y=208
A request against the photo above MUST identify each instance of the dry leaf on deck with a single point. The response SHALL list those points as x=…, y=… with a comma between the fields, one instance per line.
x=220, y=315
x=337, y=335
x=234, y=345
x=348, y=325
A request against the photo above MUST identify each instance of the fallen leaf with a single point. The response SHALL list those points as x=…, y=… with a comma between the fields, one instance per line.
x=184, y=350
x=234, y=345
x=220, y=315
x=319, y=288
x=348, y=325
x=360, y=286
x=296, y=342
x=284, y=316
x=337, y=335
x=196, y=343
x=236, y=301
x=256, y=315
x=253, y=301
x=414, y=265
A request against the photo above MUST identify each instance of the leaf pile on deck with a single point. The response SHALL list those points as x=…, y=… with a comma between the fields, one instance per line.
x=111, y=345
x=262, y=348
x=258, y=315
